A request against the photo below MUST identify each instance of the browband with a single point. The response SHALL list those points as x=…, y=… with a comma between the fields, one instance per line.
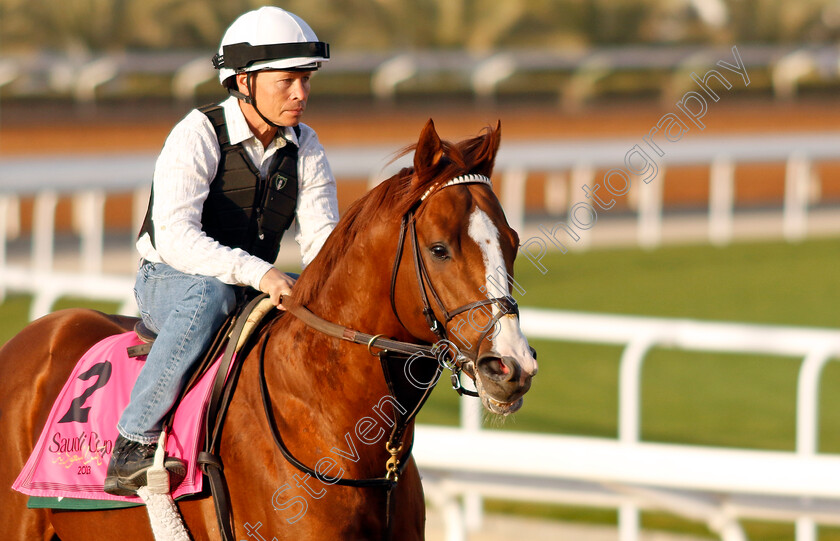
x=242, y=55
x=463, y=179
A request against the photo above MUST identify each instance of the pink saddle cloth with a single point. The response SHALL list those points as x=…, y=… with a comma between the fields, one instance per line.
x=71, y=457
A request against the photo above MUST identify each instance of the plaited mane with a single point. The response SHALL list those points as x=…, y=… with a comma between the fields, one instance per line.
x=391, y=198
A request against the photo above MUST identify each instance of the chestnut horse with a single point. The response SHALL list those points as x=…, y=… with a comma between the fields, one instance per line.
x=434, y=230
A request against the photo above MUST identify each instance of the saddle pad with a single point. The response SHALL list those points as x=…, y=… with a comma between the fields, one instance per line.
x=71, y=457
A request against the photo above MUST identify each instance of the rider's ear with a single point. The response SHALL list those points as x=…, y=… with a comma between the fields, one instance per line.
x=242, y=83
x=429, y=150
x=485, y=155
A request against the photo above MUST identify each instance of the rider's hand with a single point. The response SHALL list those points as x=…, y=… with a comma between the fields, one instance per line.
x=277, y=284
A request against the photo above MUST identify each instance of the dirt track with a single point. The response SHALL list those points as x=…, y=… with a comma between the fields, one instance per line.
x=139, y=129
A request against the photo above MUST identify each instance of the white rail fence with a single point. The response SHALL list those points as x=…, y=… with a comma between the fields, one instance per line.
x=717, y=486
x=570, y=164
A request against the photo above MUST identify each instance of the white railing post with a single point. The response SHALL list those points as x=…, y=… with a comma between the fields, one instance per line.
x=471, y=412
x=139, y=204
x=557, y=193
x=721, y=201
x=628, y=522
x=12, y=220
x=453, y=518
x=582, y=174
x=392, y=72
x=189, y=77
x=629, y=420
x=43, y=231
x=43, y=251
x=797, y=184
x=487, y=75
x=630, y=384
x=807, y=422
x=513, y=197
x=89, y=216
x=650, y=211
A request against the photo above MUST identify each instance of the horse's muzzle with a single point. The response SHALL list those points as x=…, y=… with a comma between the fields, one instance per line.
x=502, y=378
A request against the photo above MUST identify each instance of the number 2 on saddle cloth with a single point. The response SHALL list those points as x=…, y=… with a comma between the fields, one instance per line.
x=72, y=453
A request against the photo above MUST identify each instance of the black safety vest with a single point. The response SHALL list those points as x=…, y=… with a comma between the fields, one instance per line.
x=244, y=210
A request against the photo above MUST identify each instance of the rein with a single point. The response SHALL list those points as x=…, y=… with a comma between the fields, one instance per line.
x=395, y=465
x=357, y=337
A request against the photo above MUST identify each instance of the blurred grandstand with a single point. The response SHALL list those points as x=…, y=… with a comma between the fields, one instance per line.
x=571, y=51
x=571, y=76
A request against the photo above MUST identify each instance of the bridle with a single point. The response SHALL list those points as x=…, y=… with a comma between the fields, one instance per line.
x=506, y=304
x=390, y=349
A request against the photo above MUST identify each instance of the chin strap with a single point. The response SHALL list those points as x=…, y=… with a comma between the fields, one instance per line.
x=251, y=99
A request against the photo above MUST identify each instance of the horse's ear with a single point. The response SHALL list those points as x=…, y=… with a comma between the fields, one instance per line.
x=429, y=149
x=485, y=155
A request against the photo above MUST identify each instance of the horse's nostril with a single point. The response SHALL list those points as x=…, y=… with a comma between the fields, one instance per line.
x=498, y=369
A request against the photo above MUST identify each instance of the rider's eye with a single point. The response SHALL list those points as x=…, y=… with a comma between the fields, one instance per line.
x=439, y=251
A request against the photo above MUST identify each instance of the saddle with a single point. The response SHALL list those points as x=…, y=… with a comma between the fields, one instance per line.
x=67, y=465
x=231, y=337
x=238, y=328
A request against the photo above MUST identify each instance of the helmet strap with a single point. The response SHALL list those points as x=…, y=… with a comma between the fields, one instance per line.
x=240, y=95
x=252, y=99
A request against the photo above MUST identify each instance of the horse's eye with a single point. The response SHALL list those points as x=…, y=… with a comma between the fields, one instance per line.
x=439, y=251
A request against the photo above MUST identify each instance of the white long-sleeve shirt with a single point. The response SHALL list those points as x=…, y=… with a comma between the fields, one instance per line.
x=183, y=173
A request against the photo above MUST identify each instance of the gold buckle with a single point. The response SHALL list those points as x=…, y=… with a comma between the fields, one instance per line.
x=370, y=345
x=393, y=464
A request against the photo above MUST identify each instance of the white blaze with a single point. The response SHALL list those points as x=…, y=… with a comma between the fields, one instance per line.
x=509, y=342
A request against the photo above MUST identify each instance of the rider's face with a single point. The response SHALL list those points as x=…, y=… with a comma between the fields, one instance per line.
x=281, y=95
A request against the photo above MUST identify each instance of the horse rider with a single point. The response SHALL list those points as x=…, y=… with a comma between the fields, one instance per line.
x=229, y=181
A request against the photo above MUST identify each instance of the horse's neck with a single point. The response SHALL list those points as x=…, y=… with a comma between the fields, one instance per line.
x=328, y=393
x=330, y=389
x=355, y=293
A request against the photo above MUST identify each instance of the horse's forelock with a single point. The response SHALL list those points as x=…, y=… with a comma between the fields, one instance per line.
x=474, y=155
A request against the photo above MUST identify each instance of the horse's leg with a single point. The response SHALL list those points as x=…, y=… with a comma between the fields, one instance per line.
x=33, y=368
x=410, y=520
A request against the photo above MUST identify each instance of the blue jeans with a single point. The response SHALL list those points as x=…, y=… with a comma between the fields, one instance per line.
x=185, y=311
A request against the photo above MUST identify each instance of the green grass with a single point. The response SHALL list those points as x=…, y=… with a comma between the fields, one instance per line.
x=14, y=311
x=684, y=393
x=779, y=283
x=696, y=398
x=687, y=397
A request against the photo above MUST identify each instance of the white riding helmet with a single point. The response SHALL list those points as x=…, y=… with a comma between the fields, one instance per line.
x=269, y=38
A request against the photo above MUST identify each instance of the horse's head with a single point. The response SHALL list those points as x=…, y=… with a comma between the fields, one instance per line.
x=452, y=284
x=450, y=279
